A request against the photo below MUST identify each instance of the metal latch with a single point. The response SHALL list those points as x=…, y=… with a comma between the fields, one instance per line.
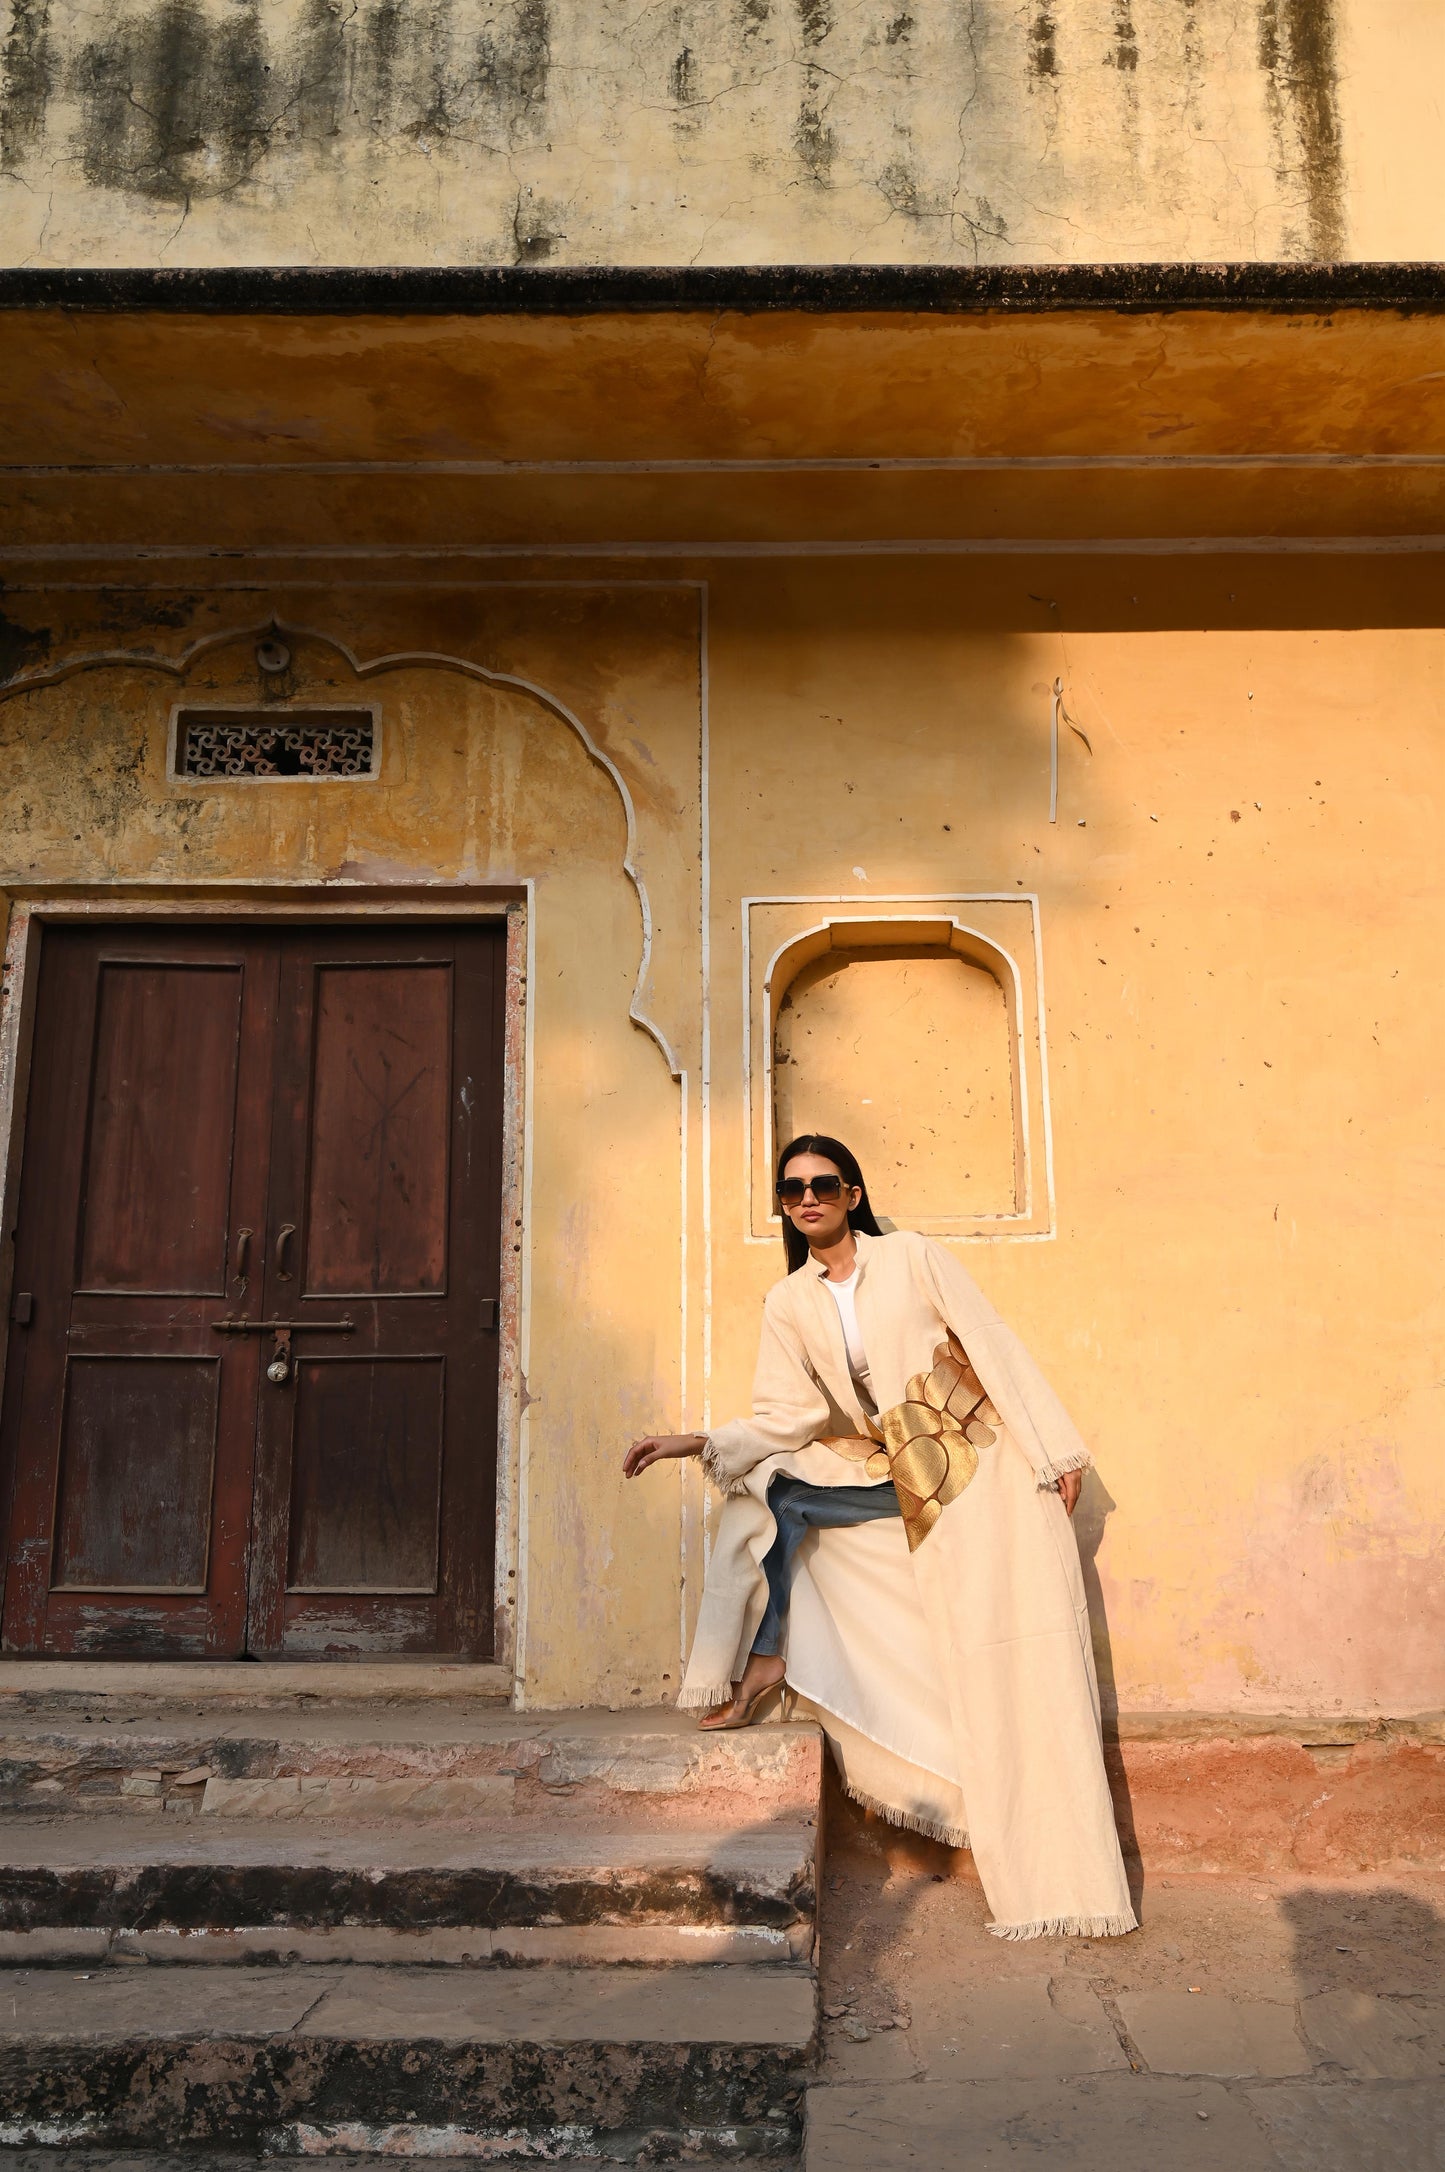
x=279, y=1369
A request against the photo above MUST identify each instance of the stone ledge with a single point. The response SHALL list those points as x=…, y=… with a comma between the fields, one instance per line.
x=555, y=2062
x=590, y=290
x=109, y=1874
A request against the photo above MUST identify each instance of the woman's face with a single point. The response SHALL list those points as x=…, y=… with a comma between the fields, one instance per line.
x=821, y=1221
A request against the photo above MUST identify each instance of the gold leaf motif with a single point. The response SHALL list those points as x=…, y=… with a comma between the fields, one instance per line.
x=930, y=1440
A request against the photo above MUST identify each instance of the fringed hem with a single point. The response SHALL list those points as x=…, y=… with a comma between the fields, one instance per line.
x=719, y=1477
x=1050, y=1476
x=952, y=1836
x=1068, y=1927
x=711, y=1694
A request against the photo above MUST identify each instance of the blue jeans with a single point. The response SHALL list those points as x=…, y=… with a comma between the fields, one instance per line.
x=800, y=1508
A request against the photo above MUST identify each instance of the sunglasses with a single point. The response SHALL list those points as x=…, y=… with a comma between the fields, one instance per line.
x=825, y=1189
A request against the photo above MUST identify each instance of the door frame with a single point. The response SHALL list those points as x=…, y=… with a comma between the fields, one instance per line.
x=36, y=906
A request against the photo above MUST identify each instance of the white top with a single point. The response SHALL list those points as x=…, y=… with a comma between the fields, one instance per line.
x=843, y=1295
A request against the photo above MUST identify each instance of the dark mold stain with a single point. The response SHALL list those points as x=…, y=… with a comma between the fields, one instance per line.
x=680, y=78
x=1043, y=46
x=175, y=106
x=813, y=140
x=27, y=79
x=899, y=28
x=1297, y=56
x=319, y=104
x=515, y=70
x=1124, y=53
x=899, y=184
x=755, y=15
x=815, y=20
x=536, y=230
x=178, y=104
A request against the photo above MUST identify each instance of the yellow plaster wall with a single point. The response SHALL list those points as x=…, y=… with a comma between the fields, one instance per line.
x=1241, y=1304
x=191, y=132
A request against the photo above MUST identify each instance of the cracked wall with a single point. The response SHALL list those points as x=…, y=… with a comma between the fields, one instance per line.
x=198, y=132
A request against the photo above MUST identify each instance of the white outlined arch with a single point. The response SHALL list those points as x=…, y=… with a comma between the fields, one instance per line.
x=180, y=666
x=911, y=927
x=902, y=916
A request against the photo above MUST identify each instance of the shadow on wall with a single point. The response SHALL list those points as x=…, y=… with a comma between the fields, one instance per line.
x=1096, y=1506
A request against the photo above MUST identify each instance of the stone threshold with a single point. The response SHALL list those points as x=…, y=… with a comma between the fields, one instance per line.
x=249, y=1683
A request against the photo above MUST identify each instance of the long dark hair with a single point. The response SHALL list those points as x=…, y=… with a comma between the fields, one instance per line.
x=795, y=1244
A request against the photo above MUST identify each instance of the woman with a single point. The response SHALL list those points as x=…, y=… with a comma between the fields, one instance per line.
x=937, y=1623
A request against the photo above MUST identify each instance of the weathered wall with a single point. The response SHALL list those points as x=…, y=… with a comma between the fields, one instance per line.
x=201, y=132
x=482, y=784
x=1241, y=907
x=1236, y=577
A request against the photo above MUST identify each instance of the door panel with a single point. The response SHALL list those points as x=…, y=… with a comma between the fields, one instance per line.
x=376, y=1472
x=228, y=1129
x=162, y=1120
x=137, y=1458
x=377, y=1197
x=366, y=1471
x=129, y=1423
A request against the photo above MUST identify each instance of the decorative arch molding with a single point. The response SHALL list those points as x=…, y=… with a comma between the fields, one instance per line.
x=993, y=931
x=179, y=667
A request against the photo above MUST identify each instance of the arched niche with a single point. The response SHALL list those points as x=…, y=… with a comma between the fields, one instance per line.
x=917, y=1037
x=903, y=1041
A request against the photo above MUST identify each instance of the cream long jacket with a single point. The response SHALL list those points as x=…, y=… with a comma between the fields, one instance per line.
x=956, y=1683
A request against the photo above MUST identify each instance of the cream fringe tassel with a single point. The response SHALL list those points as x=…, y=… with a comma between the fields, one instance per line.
x=719, y=1477
x=1050, y=1476
x=706, y=1697
x=952, y=1836
x=1068, y=1927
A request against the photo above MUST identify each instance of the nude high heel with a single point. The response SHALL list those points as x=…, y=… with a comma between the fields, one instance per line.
x=787, y=1703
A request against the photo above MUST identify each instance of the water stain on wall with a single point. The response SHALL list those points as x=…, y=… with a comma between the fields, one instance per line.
x=1297, y=56
x=407, y=115
x=28, y=69
x=178, y=104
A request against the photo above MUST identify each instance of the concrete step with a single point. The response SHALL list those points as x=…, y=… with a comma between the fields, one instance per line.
x=300, y=1756
x=78, y=1888
x=630, y=2065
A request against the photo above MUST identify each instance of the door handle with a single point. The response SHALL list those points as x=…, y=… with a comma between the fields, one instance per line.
x=283, y=1250
x=243, y=1253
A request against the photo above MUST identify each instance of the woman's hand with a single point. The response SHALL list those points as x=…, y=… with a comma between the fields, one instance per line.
x=1069, y=1486
x=658, y=1447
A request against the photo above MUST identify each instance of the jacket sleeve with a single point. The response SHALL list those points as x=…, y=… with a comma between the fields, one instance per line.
x=1017, y=1389
x=789, y=1409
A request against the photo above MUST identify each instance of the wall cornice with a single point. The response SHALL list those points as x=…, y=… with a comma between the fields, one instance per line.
x=826, y=289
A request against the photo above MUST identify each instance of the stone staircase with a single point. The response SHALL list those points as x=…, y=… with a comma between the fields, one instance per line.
x=291, y=1922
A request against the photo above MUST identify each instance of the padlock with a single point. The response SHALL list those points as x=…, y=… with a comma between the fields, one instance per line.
x=279, y=1369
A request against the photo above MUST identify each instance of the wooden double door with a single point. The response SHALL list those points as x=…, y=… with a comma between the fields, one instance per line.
x=251, y=1397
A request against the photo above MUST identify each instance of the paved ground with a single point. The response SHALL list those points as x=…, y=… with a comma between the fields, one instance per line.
x=1252, y=2025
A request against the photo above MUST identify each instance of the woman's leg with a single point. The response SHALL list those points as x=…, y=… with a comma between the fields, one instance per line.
x=790, y=1513
x=797, y=1509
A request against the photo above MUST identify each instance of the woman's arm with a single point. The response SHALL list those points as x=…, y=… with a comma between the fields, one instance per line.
x=661, y=1448
x=789, y=1410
